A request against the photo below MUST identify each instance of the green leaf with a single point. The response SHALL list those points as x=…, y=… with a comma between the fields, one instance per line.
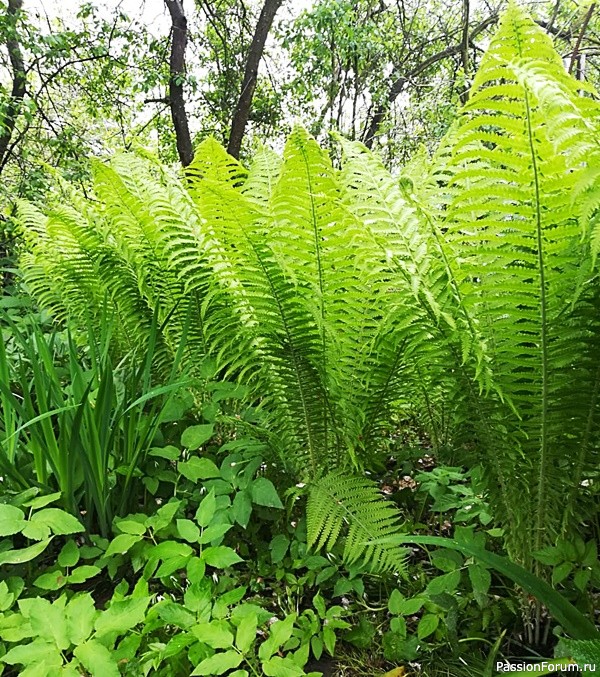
x=169, y=452
x=565, y=613
x=48, y=621
x=395, y=601
x=25, y=554
x=131, y=527
x=121, y=544
x=206, y=509
x=214, y=532
x=219, y=663
x=278, y=547
x=35, y=652
x=561, y=572
x=408, y=607
x=481, y=580
x=195, y=436
x=80, y=614
x=6, y=598
x=198, y=469
x=51, y=581
x=281, y=667
x=83, y=573
x=42, y=501
x=264, y=493
x=446, y=583
x=216, y=634
x=279, y=633
x=69, y=554
x=220, y=556
x=246, y=633
x=97, y=659
x=12, y=519
x=188, y=530
x=242, y=508
x=35, y=531
x=58, y=520
x=427, y=625
x=122, y=616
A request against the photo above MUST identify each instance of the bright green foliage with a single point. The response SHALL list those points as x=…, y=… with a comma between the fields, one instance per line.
x=340, y=295
x=337, y=499
x=526, y=274
x=85, y=437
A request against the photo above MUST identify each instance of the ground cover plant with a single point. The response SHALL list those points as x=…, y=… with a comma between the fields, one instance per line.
x=245, y=360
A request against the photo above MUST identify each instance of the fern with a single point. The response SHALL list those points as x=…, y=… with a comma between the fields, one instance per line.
x=524, y=274
x=465, y=291
x=338, y=501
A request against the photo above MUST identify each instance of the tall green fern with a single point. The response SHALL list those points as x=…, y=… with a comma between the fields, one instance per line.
x=340, y=295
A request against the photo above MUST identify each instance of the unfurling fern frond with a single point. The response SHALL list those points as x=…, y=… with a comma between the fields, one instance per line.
x=342, y=504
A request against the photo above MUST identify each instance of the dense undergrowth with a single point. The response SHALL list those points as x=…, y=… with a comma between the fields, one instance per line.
x=232, y=403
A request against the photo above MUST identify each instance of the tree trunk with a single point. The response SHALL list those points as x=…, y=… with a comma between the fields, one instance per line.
x=242, y=110
x=7, y=124
x=176, y=79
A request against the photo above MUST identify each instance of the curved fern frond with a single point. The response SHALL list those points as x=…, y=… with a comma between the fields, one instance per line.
x=339, y=503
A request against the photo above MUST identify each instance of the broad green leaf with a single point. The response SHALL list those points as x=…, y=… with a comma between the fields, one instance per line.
x=206, y=509
x=217, y=634
x=408, y=607
x=12, y=519
x=97, y=659
x=278, y=547
x=195, y=436
x=175, y=614
x=279, y=633
x=246, y=633
x=47, y=620
x=169, y=550
x=164, y=516
x=188, y=530
x=59, y=521
x=198, y=469
x=6, y=598
x=69, y=554
x=281, y=667
x=129, y=526
x=122, y=616
x=121, y=544
x=43, y=501
x=36, y=652
x=25, y=554
x=220, y=556
x=219, y=663
x=80, y=613
x=83, y=573
x=395, y=601
x=242, y=508
x=427, y=625
x=51, y=581
x=36, y=531
x=214, y=532
x=446, y=583
x=481, y=580
x=264, y=493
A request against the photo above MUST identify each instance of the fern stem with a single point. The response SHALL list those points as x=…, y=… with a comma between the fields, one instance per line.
x=543, y=464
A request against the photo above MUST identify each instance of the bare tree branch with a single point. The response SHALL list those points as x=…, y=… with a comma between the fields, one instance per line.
x=584, y=25
x=177, y=76
x=7, y=124
x=242, y=109
x=400, y=83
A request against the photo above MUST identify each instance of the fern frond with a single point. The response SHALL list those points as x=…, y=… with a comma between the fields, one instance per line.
x=340, y=502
